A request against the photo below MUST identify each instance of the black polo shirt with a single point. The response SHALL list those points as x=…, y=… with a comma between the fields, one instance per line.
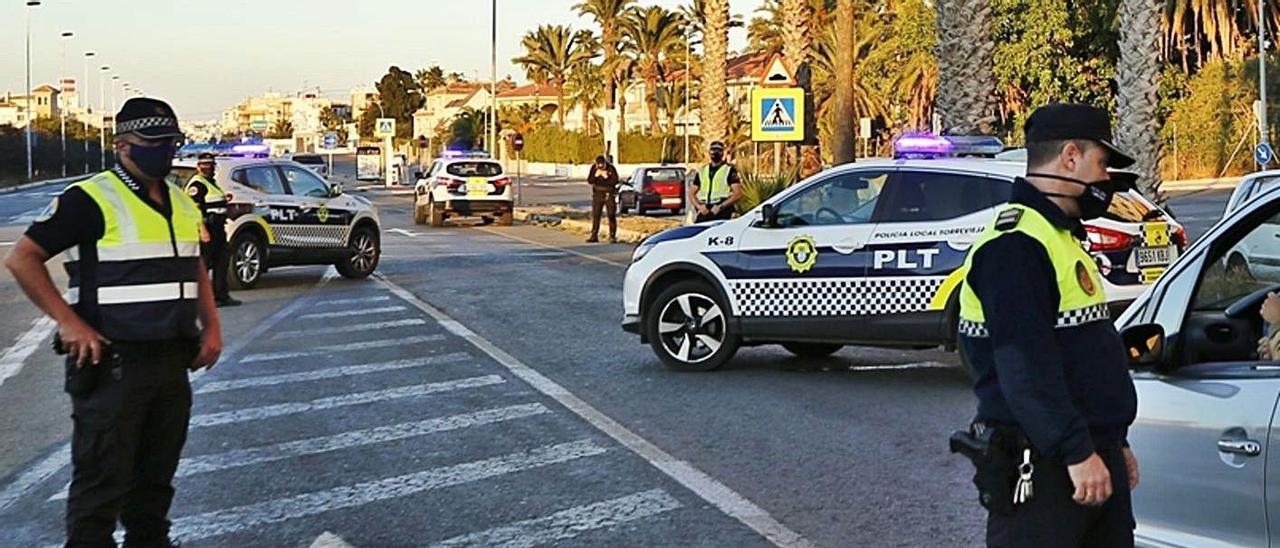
x=73, y=219
x=1068, y=388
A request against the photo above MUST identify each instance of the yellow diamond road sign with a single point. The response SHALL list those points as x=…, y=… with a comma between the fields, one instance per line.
x=777, y=114
x=385, y=127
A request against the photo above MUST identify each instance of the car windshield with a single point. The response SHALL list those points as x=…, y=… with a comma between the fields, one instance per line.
x=663, y=176
x=474, y=169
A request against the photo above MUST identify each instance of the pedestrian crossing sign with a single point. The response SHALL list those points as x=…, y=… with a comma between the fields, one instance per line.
x=777, y=114
x=385, y=127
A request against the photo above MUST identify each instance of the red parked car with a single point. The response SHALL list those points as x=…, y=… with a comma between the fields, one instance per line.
x=653, y=189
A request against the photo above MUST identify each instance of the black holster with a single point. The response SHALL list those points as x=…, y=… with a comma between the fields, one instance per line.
x=994, y=452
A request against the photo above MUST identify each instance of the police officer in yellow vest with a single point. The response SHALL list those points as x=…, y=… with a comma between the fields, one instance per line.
x=204, y=190
x=1055, y=399
x=138, y=315
x=716, y=189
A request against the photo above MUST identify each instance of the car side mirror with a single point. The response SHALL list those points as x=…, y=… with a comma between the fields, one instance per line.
x=1144, y=345
x=335, y=190
x=769, y=216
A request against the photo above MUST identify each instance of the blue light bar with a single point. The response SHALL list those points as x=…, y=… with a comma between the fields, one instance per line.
x=975, y=145
x=925, y=146
x=449, y=153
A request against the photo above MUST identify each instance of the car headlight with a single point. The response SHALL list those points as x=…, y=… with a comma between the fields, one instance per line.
x=641, y=251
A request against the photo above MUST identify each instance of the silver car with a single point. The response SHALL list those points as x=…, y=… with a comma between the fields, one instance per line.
x=1207, y=405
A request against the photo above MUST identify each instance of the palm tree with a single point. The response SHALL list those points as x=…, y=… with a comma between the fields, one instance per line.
x=714, y=97
x=765, y=33
x=607, y=14
x=587, y=92
x=842, y=136
x=430, y=79
x=651, y=35
x=1138, y=86
x=966, y=59
x=551, y=54
x=523, y=118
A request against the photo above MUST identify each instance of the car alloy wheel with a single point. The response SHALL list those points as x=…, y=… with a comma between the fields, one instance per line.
x=692, y=328
x=364, y=252
x=248, y=261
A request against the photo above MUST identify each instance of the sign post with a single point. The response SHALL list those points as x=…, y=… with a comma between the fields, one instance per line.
x=330, y=142
x=1263, y=154
x=386, y=128
x=517, y=144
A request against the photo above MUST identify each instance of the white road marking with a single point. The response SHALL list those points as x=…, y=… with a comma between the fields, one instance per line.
x=353, y=312
x=331, y=402
x=312, y=446
x=358, y=300
x=567, y=524
x=330, y=540
x=61, y=457
x=710, y=489
x=34, y=476
x=6, y=244
x=549, y=246
x=403, y=232
x=321, y=350
x=231, y=520
x=349, y=328
x=921, y=365
x=329, y=373
x=15, y=356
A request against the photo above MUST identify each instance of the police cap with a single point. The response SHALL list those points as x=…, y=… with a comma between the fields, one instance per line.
x=1067, y=121
x=147, y=118
x=205, y=158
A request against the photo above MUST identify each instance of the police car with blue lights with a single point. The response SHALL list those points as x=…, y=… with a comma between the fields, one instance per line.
x=866, y=253
x=280, y=213
x=463, y=184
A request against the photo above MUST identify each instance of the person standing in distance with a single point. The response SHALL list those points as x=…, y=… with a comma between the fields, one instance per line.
x=203, y=188
x=604, y=196
x=716, y=188
x=139, y=315
x=1050, y=370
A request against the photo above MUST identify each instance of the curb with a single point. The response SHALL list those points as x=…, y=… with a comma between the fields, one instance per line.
x=1225, y=183
x=25, y=186
x=575, y=225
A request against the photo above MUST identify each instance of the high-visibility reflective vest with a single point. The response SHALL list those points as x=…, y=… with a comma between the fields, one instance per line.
x=1081, y=299
x=215, y=200
x=714, y=188
x=144, y=280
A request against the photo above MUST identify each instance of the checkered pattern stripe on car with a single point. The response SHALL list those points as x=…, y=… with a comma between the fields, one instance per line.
x=834, y=296
x=310, y=235
x=1070, y=318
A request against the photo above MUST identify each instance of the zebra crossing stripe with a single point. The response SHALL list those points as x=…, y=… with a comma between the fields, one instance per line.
x=330, y=373
x=374, y=326
x=204, y=464
x=232, y=520
x=355, y=312
x=321, y=350
x=355, y=300
x=567, y=524
x=345, y=400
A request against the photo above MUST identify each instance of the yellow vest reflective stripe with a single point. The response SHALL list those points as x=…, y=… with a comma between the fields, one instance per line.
x=1081, y=298
x=145, y=272
x=714, y=189
x=214, y=196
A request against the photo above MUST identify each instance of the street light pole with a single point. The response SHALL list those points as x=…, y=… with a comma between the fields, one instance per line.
x=62, y=110
x=1262, y=71
x=30, y=119
x=102, y=116
x=688, y=52
x=83, y=92
x=493, y=83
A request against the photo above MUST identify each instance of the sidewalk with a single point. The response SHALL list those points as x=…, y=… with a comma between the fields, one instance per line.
x=631, y=229
x=25, y=186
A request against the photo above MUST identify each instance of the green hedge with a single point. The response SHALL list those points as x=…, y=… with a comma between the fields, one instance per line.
x=554, y=145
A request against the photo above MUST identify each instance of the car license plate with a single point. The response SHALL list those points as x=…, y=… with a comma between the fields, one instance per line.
x=477, y=187
x=1156, y=256
x=671, y=202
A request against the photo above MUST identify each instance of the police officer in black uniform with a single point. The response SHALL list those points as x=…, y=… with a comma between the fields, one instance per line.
x=203, y=188
x=138, y=316
x=1055, y=399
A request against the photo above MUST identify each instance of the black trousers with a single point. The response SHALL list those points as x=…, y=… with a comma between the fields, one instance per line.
x=128, y=434
x=216, y=255
x=1053, y=519
x=604, y=199
x=724, y=215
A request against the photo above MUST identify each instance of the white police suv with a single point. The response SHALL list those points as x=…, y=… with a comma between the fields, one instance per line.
x=463, y=184
x=867, y=253
x=280, y=213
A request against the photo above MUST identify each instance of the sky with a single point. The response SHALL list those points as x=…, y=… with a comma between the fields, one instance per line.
x=205, y=56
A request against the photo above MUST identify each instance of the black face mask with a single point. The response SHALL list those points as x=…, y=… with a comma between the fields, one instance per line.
x=717, y=157
x=1093, y=202
x=154, y=161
